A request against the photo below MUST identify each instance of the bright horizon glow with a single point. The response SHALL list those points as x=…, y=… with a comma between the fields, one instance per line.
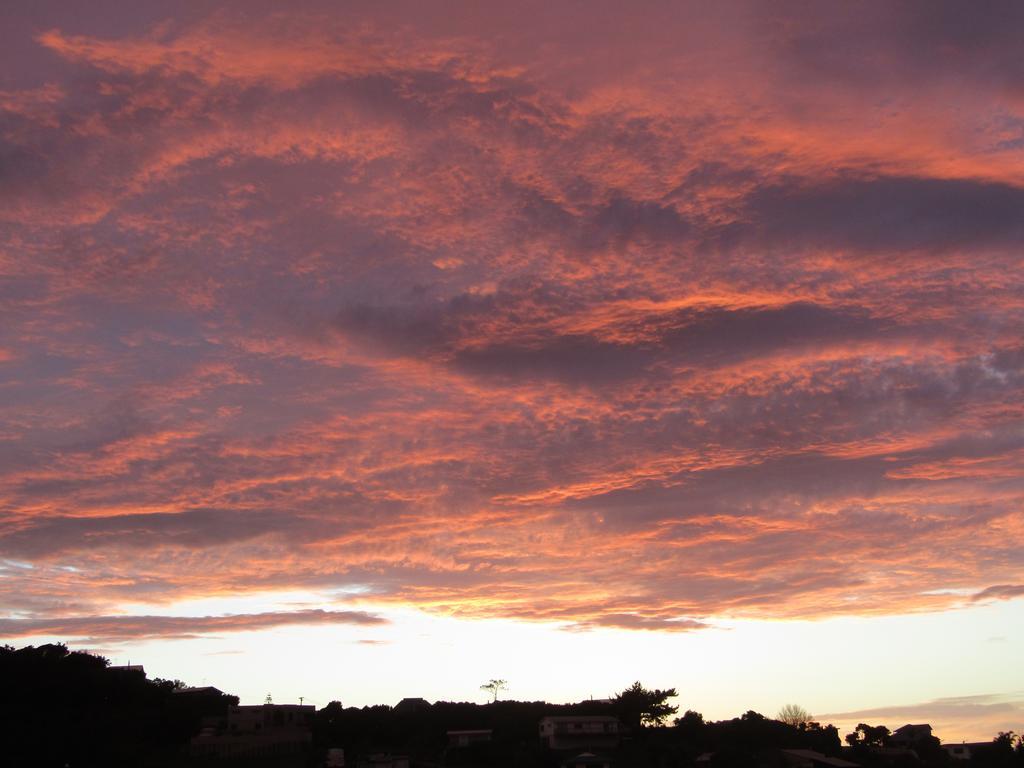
x=829, y=666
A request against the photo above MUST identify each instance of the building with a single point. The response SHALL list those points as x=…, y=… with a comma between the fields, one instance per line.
x=414, y=704
x=270, y=717
x=132, y=669
x=468, y=738
x=202, y=690
x=582, y=732
x=965, y=750
x=910, y=736
x=264, y=730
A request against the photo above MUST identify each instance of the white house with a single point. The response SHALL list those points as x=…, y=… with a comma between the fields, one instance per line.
x=466, y=738
x=258, y=731
x=964, y=750
x=580, y=731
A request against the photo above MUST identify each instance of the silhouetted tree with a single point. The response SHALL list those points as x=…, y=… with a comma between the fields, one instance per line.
x=494, y=687
x=61, y=707
x=691, y=732
x=690, y=719
x=824, y=739
x=637, y=706
x=793, y=714
x=868, y=736
x=1005, y=751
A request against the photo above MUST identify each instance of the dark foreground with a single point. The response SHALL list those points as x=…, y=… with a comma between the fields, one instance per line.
x=73, y=710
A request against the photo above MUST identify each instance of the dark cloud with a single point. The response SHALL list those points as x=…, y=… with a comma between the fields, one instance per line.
x=907, y=44
x=1000, y=592
x=127, y=628
x=889, y=214
x=419, y=328
x=622, y=220
x=689, y=338
x=190, y=528
x=578, y=359
x=304, y=511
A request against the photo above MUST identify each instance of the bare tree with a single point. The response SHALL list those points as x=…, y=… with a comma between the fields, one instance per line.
x=494, y=687
x=793, y=714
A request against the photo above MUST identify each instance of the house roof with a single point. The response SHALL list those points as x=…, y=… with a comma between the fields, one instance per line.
x=581, y=718
x=412, y=704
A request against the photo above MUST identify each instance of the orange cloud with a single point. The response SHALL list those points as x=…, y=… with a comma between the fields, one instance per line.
x=458, y=321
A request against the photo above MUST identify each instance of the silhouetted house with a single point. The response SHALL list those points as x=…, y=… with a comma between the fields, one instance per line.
x=587, y=760
x=412, y=705
x=965, y=750
x=468, y=738
x=335, y=758
x=383, y=760
x=270, y=717
x=808, y=758
x=264, y=730
x=204, y=704
x=202, y=690
x=583, y=732
x=910, y=736
x=130, y=669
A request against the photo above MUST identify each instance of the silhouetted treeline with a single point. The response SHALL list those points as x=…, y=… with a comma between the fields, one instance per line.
x=62, y=708
x=1004, y=752
x=69, y=709
x=752, y=734
x=421, y=732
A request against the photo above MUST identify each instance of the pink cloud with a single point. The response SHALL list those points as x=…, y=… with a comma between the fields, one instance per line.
x=508, y=329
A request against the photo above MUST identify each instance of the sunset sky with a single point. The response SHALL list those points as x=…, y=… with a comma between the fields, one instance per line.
x=371, y=350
